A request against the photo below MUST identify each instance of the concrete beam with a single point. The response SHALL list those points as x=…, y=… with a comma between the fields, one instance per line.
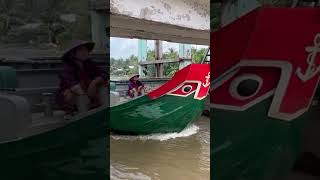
x=182, y=21
x=233, y=9
x=127, y=27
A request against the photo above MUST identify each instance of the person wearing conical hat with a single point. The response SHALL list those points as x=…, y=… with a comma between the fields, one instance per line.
x=81, y=79
x=135, y=87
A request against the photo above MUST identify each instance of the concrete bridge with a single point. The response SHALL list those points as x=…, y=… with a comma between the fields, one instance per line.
x=181, y=21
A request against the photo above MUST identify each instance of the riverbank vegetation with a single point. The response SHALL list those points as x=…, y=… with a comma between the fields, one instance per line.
x=43, y=23
x=129, y=66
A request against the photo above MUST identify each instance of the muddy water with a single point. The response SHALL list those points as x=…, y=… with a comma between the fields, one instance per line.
x=175, y=156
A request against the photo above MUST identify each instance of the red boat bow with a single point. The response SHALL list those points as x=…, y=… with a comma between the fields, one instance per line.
x=278, y=48
x=194, y=78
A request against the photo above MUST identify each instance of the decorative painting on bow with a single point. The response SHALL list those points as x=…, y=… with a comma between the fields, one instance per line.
x=313, y=66
x=267, y=58
x=198, y=88
x=193, y=79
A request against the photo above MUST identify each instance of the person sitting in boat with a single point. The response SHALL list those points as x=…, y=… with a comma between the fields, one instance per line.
x=81, y=81
x=135, y=87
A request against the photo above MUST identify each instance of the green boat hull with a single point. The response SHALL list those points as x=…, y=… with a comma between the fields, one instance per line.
x=75, y=151
x=249, y=145
x=163, y=115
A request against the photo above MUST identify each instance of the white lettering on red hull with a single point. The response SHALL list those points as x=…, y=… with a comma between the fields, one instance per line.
x=207, y=80
x=312, y=69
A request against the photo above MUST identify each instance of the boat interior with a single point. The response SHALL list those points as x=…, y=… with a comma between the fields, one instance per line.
x=27, y=93
x=29, y=111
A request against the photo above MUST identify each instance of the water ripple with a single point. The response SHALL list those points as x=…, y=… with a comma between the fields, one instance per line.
x=191, y=130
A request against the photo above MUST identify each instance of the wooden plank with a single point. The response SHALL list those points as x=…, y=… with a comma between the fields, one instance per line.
x=159, y=62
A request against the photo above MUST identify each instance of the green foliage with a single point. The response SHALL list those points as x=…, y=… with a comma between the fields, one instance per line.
x=170, y=69
x=198, y=55
x=120, y=67
x=150, y=71
x=8, y=15
x=133, y=61
x=39, y=22
x=170, y=55
x=151, y=55
x=51, y=21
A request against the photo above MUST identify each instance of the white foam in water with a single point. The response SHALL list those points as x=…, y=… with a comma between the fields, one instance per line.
x=193, y=129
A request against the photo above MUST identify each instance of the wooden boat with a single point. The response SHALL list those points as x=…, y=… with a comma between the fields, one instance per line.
x=265, y=74
x=31, y=138
x=39, y=133
x=169, y=108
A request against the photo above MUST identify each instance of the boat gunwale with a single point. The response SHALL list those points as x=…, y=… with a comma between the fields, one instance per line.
x=74, y=119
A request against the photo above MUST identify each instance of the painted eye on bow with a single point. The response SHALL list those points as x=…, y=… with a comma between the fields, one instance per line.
x=245, y=86
x=185, y=89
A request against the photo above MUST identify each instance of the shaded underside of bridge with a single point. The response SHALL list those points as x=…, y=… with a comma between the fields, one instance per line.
x=181, y=21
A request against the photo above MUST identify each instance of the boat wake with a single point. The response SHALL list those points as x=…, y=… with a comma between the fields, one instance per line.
x=190, y=130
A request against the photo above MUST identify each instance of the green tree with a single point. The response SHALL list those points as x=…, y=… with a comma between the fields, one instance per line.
x=170, y=69
x=171, y=54
x=132, y=61
x=198, y=55
x=8, y=15
x=124, y=64
x=51, y=19
x=7, y=11
x=151, y=55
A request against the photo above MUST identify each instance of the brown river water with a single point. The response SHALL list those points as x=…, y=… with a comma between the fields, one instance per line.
x=184, y=155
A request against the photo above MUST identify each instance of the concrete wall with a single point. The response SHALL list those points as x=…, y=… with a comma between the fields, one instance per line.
x=185, y=13
x=183, y=21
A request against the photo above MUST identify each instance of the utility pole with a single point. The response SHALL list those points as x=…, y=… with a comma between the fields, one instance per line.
x=184, y=55
x=142, y=54
x=158, y=56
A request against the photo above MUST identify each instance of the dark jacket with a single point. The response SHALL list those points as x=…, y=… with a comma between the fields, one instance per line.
x=73, y=75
